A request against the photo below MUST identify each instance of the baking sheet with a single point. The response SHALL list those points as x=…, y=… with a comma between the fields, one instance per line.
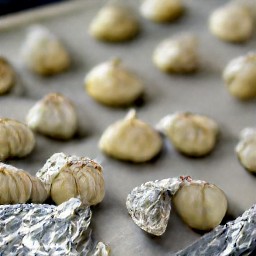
x=202, y=92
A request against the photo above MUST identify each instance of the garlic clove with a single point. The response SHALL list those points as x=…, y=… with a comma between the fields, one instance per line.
x=114, y=23
x=16, y=139
x=240, y=77
x=177, y=54
x=201, y=205
x=86, y=183
x=38, y=191
x=246, y=149
x=18, y=186
x=162, y=11
x=63, y=188
x=232, y=23
x=54, y=116
x=112, y=84
x=131, y=139
x=246, y=153
x=191, y=134
x=7, y=76
x=43, y=53
x=5, y=195
x=4, y=142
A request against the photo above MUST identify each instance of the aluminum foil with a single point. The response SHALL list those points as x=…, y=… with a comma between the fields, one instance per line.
x=150, y=204
x=236, y=238
x=43, y=230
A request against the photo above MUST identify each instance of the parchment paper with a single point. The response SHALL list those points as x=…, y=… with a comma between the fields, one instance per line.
x=203, y=92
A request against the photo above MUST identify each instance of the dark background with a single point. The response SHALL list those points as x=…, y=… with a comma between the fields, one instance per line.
x=10, y=6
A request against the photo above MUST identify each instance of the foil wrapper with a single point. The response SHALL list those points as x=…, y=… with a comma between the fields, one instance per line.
x=150, y=204
x=235, y=238
x=42, y=230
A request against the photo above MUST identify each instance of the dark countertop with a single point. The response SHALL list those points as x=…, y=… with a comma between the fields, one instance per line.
x=10, y=6
x=203, y=92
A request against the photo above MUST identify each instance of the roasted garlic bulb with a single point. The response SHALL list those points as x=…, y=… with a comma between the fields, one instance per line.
x=131, y=139
x=18, y=186
x=191, y=134
x=246, y=149
x=16, y=139
x=162, y=11
x=114, y=23
x=177, y=55
x=43, y=53
x=240, y=76
x=112, y=84
x=7, y=76
x=201, y=205
x=54, y=116
x=71, y=176
x=232, y=23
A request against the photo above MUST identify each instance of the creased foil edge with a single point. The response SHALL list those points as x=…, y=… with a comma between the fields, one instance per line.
x=149, y=205
x=236, y=238
x=42, y=230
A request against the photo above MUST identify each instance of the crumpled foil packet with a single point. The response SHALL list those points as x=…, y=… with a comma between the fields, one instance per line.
x=43, y=230
x=150, y=204
x=235, y=238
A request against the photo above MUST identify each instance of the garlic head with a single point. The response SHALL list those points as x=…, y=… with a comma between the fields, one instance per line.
x=54, y=116
x=112, y=84
x=131, y=139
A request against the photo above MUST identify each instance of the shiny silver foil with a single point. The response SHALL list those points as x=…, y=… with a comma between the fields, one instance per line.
x=150, y=204
x=43, y=230
x=236, y=238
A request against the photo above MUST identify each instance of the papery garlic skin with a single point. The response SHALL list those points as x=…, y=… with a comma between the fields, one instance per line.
x=7, y=76
x=162, y=11
x=131, y=139
x=191, y=134
x=114, y=23
x=18, y=186
x=16, y=139
x=240, y=77
x=177, y=55
x=71, y=176
x=43, y=53
x=201, y=205
x=232, y=23
x=246, y=149
x=54, y=116
x=112, y=84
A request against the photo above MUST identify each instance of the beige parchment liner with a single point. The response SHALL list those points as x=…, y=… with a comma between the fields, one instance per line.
x=203, y=92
